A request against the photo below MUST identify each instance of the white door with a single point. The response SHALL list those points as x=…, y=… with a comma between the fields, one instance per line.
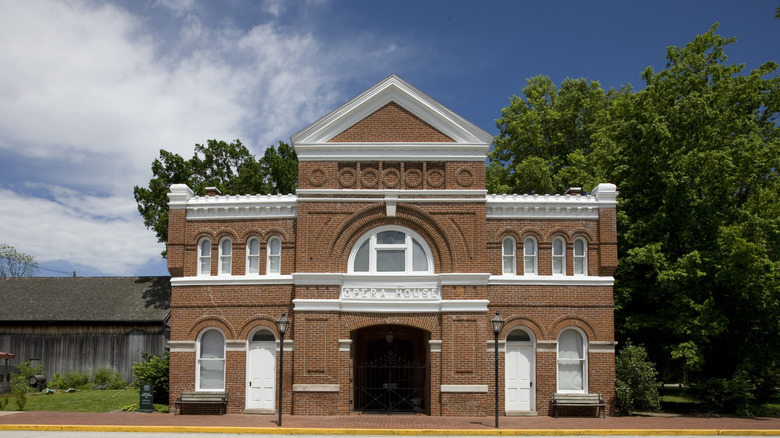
x=261, y=376
x=519, y=377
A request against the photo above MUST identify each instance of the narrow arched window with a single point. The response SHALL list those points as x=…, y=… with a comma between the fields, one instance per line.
x=210, y=375
x=558, y=256
x=508, y=256
x=225, y=256
x=204, y=257
x=529, y=256
x=572, y=361
x=580, y=257
x=390, y=249
x=274, y=262
x=253, y=256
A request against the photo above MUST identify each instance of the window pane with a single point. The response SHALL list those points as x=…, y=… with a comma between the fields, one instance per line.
x=212, y=374
x=226, y=247
x=579, y=265
x=275, y=246
x=205, y=263
x=530, y=247
x=557, y=247
x=391, y=238
x=390, y=260
x=558, y=265
x=570, y=345
x=226, y=263
x=263, y=335
x=419, y=260
x=274, y=264
x=530, y=265
x=212, y=345
x=570, y=376
x=518, y=336
x=361, y=258
x=509, y=247
x=579, y=247
x=254, y=247
x=509, y=265
x=254, y=264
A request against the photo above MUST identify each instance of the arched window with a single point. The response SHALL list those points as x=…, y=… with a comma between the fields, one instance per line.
x=274, y=262
x=580, y=257
x=253, y=256
x=558, y=256
x=210, y=375
x=572, y=361
x=508, y=256
x=225, y=256
x=204, y=257
x=529, y=256
x=391, y=250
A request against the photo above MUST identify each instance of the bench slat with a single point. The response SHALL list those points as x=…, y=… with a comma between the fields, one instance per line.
x=579, y=400
x=201, y=397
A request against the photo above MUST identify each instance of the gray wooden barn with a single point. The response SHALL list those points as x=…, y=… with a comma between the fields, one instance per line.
x=84, y=323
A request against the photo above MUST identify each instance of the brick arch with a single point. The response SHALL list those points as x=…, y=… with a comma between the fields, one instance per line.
x=275, y=231
x=204, y=233
x=558, y=231
x=211, y=321
x=508, y=231
x=582, y=232
x=423, y=321
x=250, y=233
x=522, y=321
x=532, y=232
x=226, y=232
x=408, y=216
x=571, y=321
x=257, y=320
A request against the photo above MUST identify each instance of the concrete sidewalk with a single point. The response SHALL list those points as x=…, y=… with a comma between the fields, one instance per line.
x=390, y=424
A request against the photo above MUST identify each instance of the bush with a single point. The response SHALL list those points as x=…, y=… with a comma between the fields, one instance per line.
x=157, y=407
x=635, y=381
x=106, y=378
x=3, y=401
x=155, y=372
x=19, y=390
x=21, y=378
x=728, y=396
x=75, y=379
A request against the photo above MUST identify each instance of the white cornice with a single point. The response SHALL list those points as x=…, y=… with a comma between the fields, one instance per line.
x=552, y=206
x=550, y=280
x=231, y=280
x=339, y=305
x=385, y=151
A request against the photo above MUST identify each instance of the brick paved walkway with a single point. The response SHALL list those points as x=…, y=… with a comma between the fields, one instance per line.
x=396, y=422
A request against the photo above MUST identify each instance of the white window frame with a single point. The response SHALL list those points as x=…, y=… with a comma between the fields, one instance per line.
x=583, y=360
x=408, y=246
x=270, y=257
x=511, y=258
x=204, y=258
x=225, y=260
x=561, y=257
x=580, y=258
x=533, y=258
x=199, y=360
x=252, y=256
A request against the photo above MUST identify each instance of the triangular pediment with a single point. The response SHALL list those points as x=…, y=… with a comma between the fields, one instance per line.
x=392, y=120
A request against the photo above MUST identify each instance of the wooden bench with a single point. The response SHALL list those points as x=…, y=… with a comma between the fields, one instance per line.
x=584, y=400
x=201, y=398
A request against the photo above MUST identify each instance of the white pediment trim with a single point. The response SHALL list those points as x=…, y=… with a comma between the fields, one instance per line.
x=311, y=142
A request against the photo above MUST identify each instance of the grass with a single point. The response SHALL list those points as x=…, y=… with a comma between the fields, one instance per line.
x=81, y=401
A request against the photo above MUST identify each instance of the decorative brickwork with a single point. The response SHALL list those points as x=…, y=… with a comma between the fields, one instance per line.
x=391, y=123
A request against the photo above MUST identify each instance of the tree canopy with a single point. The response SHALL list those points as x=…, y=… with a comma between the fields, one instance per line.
x=16, y=264
x=695, y=156
x=230, y=167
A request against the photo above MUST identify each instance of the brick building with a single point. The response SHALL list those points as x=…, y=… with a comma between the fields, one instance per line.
x=390, y=261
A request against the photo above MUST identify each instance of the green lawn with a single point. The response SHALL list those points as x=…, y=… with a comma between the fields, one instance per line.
x=81, y=401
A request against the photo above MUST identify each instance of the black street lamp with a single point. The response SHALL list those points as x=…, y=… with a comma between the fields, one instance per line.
x=282, y=325
x=497, y=324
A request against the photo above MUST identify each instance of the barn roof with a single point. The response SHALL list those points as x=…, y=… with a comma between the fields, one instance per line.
x=125, y=299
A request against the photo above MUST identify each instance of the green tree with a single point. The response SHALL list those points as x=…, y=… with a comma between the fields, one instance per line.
x=636, y=387
x=695, y=156
x=154, y=370
x=16, y=264
x=228, y=166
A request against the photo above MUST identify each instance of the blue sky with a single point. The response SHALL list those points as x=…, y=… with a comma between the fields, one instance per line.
x=91, y=91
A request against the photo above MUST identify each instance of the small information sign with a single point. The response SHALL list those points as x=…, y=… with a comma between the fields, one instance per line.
x=147, y=397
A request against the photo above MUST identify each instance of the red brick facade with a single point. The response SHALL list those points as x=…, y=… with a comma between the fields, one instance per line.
x=377, y=166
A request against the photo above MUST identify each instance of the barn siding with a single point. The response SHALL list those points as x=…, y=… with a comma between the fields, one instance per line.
x=83, y=347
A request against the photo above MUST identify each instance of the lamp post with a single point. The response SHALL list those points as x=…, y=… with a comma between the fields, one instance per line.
x=497, y=323
x=282, y=325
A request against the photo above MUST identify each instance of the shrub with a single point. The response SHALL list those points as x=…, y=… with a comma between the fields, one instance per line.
x=106, y=378
x=21, y=378
x=19, y=390
x=155, y=372
x=75, y=379
x=3, y=401
x=735, y=395
x=635, y=381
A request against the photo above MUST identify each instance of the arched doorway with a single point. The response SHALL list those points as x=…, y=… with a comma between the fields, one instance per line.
x=391, y=369
x=520, y=371
x=261, y=372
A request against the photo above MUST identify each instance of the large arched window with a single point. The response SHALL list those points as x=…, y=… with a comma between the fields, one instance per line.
x=529, y=256
x=210, y=375
x=204, y=257
x=253, y=256
x=572, y=361
x=558, y=256
x=508, y=256
x=391, y=250
x=274, y=262
x=580, y=257
x=225, y=256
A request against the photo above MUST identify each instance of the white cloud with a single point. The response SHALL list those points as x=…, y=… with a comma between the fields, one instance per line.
x=94, y=91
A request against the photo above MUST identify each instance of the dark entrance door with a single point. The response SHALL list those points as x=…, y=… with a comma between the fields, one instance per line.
x=392, y=376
